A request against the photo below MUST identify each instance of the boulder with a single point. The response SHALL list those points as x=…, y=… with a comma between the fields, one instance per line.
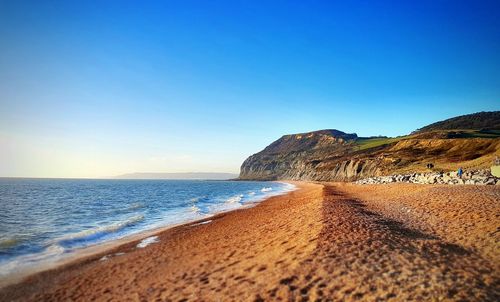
x=478, y=177
x=490, y=181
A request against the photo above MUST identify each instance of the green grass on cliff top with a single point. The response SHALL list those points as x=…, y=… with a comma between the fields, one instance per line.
x=479, y=134
x=364, y=143
x=372, y=142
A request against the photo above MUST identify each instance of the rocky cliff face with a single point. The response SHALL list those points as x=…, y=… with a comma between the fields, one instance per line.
x=332, y=155
x=308, y=156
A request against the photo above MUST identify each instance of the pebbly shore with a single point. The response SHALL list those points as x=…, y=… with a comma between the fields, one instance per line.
x=475, y=177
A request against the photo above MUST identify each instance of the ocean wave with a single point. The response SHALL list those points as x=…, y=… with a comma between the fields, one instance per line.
x=110, y=228
x=147, y=241
x=288, y=187
x=196, y=199
x=235, y=199
x=203, y=222
x=267, y=189
x=25, y=261
x=195, y=209
x=251, y=193
x=135, y=205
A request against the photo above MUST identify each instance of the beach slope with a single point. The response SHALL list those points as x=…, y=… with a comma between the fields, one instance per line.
x=321, y=242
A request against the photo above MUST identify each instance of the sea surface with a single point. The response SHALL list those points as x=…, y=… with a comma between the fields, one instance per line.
x=42, y=220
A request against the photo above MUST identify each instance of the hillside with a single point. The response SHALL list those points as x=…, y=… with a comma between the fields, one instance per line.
x=475, y=121
x=328, y=155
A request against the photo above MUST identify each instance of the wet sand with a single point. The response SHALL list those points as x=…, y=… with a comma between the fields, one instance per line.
x=326, y=242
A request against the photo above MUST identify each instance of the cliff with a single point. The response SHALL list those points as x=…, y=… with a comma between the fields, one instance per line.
x=333, y=155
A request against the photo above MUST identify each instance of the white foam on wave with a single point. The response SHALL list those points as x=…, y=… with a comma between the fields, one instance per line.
x=288, y=187
x=136, y=205
x=147, y=241
x=235, y=199
x=110, y=228
x=251, y=193
x=195, y=209
x=267, y=192
x=196, y=199
x=203, y=222
x=106, y=257
x=51, y=253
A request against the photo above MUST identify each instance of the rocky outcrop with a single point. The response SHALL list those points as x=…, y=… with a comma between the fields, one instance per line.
x=302, y=156
x=478, y=177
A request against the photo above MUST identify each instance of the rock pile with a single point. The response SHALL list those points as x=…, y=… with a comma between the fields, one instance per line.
x=477, y=177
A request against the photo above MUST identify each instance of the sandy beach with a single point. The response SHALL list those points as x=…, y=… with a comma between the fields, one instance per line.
x=322, y=242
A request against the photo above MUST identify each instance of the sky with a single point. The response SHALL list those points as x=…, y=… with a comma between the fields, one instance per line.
x=102, y=88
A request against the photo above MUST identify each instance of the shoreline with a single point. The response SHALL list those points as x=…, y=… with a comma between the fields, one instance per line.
x=92, y=251
x=323, y=241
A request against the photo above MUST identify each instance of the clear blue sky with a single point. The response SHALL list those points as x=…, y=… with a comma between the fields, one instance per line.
x=93, y=89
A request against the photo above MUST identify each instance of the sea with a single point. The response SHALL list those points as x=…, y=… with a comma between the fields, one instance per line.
x=43, y=220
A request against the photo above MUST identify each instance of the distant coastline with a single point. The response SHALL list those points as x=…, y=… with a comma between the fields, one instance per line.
x=185, y=175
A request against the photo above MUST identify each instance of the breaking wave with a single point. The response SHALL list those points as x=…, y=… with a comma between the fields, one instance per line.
x=196, y=199
x=136, y=205
x=147, y=241
x=195, y=209
x=100, y=230
x=235, y=199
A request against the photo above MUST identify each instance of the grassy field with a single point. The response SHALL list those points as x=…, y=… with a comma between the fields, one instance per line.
x=372, y=142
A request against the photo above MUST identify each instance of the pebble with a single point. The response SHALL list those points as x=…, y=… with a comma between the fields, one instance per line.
x=475, y=177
